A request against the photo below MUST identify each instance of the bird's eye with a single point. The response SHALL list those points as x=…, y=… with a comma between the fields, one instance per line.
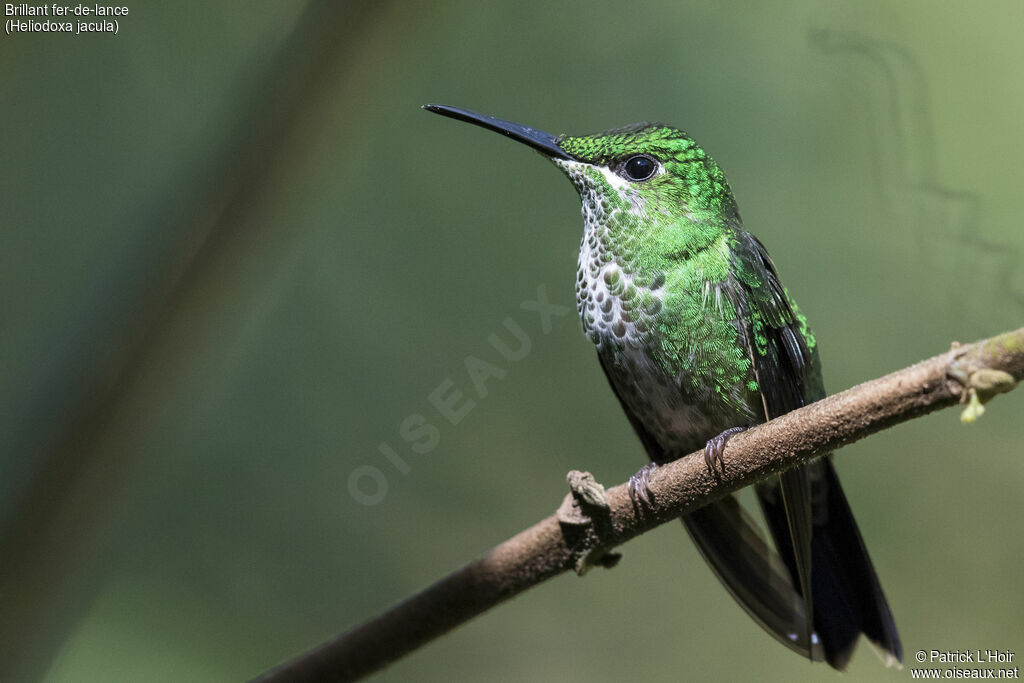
x=639, y=167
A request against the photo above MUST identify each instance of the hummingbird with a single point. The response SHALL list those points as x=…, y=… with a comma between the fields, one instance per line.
x=699, y=340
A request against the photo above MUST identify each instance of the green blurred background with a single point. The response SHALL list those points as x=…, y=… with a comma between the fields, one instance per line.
x=236, y=256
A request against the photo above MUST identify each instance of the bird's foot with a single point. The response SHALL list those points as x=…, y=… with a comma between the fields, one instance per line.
x=639, y=485
x=715, y=447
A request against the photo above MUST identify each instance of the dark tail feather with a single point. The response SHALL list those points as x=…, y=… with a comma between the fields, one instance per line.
x=848, y=598
x=795, y=486
x=752, y=572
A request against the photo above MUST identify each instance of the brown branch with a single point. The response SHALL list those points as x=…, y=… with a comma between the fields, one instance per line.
x=966, y=374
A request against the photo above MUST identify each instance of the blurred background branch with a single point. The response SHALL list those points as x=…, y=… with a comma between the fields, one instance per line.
x=58, y=529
